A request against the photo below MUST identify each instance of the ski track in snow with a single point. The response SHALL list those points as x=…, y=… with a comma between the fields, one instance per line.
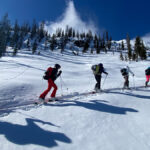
x=111, y=120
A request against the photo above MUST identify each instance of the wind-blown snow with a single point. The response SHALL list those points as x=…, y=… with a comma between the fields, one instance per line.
x=113, y=120
x=72, y=19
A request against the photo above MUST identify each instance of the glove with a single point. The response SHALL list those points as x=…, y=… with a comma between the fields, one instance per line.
x=60, y=72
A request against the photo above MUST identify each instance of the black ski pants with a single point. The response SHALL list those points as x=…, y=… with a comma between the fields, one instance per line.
x=126, y=82
x=98, y=80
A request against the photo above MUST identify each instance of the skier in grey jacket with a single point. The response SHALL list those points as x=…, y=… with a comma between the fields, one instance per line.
x=125, y=73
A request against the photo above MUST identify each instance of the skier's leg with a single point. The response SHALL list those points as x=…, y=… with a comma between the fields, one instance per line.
x=47, y=90
x=126, y=83
x=96, y=85
x=98, y=79
x=100, y=82
x=147, y=80
x=55, y=89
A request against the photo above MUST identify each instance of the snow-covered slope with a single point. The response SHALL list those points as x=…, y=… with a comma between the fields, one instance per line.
x=111, y=120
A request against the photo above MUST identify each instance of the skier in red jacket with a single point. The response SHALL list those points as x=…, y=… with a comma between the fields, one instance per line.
x=51, y=75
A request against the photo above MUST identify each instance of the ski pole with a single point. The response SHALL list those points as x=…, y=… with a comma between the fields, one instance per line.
x=104, y=81
x=61, y=86
x=63, y=83
x=134, y=82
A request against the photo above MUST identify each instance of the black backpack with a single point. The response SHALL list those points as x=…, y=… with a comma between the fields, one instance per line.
x=93, y=67
x=147, y=71
x=124, y=71
x=46, y=77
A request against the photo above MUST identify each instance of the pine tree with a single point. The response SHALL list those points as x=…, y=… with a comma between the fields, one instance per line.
x=77, y=35
x=140, y=49
x=15, y=50
x=109, y=43
x=58, y=32
x=73, y=33
x=107, y=36
x=15, y=36
x=122, y=45
x=20, y=42
x=129, y=47
x=98, y=47
x=33, y=29
x=53, y=42
x=4, y=34
x=143, y=52
x=66, y=31
x=70, y=32
x=103, y=43
x=119, y=46
x=95, y=41
x=25, y=28
x=41, y=31
x=62, y=34
x=134, y=57
x=7, y=27
x=62, y=44
x=86, y=46
x=2, y=42
x=34, y=48
x=28, y=44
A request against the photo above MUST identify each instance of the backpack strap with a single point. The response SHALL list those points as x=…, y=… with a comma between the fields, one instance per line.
x=49, y=70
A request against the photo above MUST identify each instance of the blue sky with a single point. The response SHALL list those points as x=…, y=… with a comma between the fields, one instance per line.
x=119, y=17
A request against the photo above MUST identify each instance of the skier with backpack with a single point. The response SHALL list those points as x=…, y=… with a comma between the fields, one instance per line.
x=125, y=73
x=147, y=73
x=51, y=75
x=97, y=71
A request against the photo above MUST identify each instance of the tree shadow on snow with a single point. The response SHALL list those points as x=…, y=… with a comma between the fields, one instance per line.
x=98, y=105
x=31, y=133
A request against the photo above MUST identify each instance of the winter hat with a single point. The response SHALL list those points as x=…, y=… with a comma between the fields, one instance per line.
x=101, y=65
x=57, y=66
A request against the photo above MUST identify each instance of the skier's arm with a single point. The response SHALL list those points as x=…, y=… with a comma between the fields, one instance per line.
x=59, y=73
x=130, y=71
x=104, y=71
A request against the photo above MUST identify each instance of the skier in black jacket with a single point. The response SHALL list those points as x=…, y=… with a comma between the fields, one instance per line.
x=97, y=71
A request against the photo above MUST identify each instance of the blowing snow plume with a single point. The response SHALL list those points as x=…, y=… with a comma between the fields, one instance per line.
x=72, y=19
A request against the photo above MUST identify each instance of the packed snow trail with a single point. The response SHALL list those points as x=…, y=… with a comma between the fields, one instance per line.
x=111, y=120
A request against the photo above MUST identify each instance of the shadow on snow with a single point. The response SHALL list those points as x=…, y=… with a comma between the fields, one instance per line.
x=32, y=133
x=98, y=105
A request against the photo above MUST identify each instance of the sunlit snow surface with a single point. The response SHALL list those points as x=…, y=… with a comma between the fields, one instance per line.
x=111, y=120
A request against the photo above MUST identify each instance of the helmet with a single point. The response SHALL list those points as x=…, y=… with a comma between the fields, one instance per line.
x=57, y=66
